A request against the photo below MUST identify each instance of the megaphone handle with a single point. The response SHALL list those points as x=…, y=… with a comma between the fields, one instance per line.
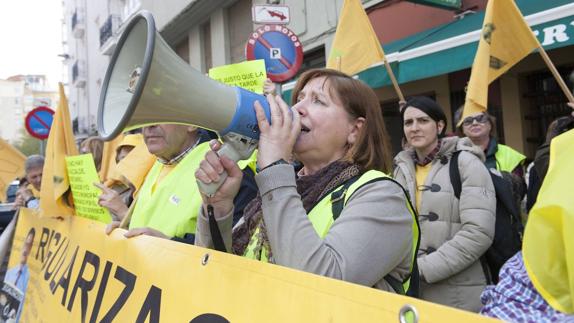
x=228, y=150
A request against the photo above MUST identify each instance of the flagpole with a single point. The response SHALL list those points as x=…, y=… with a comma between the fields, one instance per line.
x=557, y=76
x=394, y=80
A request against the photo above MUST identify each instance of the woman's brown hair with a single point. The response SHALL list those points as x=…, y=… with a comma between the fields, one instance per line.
x=372, y=149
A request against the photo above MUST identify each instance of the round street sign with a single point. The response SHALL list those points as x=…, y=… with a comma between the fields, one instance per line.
x=279, y=47
x=39, y=121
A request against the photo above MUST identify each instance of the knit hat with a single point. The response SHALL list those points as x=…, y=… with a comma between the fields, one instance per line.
x=428, y=106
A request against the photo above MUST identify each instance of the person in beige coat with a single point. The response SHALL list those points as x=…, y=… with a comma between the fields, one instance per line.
x=454, y=234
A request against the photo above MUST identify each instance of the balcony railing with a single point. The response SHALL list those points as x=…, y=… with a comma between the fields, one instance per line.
x=77, y=25
x=74, y=19
x=106, y=31
x=109, y=34
x=75, y=72
x=78, y=75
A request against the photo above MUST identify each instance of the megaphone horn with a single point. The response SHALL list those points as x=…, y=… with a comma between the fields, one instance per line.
x=147, y=83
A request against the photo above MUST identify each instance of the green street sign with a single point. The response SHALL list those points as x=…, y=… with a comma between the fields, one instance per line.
x=443, y=4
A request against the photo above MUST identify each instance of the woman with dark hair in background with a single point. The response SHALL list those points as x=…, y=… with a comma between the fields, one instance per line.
x=455, y=233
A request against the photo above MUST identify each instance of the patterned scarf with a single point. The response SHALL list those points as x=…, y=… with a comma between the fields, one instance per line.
x=429, y=158
x=311, y=188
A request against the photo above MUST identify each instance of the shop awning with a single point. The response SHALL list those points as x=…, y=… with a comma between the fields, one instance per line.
x=452, y=46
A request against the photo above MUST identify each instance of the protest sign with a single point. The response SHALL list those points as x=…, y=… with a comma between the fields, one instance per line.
x=82, y=175
x=249, y=75
x=79, y=274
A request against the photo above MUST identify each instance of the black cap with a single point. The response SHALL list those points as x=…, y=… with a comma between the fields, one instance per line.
x=428, y=106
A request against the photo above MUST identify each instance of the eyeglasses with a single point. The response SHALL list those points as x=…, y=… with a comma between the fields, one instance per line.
x=481, y=118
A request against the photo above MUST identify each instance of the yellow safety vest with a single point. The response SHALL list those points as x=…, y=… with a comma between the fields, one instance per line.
x=507, y=158
x=173, y=206
x=321, y=217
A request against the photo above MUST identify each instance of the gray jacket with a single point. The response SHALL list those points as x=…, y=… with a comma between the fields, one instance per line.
x=454, y=234
x=371, y=238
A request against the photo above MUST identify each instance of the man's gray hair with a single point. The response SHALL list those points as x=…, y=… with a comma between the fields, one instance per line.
x=34, y=161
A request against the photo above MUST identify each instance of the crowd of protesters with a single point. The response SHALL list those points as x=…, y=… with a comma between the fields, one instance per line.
x=324, y=194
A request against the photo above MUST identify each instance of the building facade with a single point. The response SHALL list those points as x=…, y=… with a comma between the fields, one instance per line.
x=431, y=50
x=20, y=94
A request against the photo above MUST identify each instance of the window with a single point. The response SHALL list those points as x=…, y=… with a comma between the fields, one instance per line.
x=314, y=58
x=182, y=50
x=206, y=45
x=240, y=27
x=546, y=102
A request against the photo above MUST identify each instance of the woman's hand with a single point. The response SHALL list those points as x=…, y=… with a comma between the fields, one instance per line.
x=278, y=138
x=210, y=170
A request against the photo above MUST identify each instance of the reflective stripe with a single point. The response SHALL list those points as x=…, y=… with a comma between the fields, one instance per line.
x=321, y=217
x=174, y=205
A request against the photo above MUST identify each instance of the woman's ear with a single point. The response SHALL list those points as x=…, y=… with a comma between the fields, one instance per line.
x=191, y=129
x=440, y=126
x=355, y=130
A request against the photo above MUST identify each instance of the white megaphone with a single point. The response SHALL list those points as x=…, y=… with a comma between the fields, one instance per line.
x=147, y=83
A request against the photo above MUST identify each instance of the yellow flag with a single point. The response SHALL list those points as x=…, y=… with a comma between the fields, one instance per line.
x=109, y=157
x=356, y=46
x=548, y=247
x=135, y=166
x=55, y=178
x=11, y=165
x=505, y=40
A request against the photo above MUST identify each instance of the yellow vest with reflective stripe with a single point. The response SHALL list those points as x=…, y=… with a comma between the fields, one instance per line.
x=174, y=205
x=321, y=217
x=507, y=158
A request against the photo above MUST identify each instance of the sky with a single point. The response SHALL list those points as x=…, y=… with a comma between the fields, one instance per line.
x=31, y=38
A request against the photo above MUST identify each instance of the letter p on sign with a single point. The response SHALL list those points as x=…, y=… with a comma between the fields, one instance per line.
x=275, y=53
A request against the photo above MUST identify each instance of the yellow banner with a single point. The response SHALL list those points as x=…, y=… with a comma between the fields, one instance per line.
x=11, y=166
x=249, y=75
x=78, y=274
x=82, y=175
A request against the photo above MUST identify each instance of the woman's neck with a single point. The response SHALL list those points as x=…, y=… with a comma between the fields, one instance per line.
x=481, y=142
x=423, y=152
x=312, y=167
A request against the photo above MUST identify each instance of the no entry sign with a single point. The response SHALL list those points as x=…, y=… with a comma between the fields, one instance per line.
x=39, y=121
x=279, y=47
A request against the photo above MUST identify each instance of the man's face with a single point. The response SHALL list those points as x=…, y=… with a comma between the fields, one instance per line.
x=167, y=140
x=34, y=177
x=26, y=248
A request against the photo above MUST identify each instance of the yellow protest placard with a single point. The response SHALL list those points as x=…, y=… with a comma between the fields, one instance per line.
x=82, y=175
x=78, y=274
x=249, y=75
